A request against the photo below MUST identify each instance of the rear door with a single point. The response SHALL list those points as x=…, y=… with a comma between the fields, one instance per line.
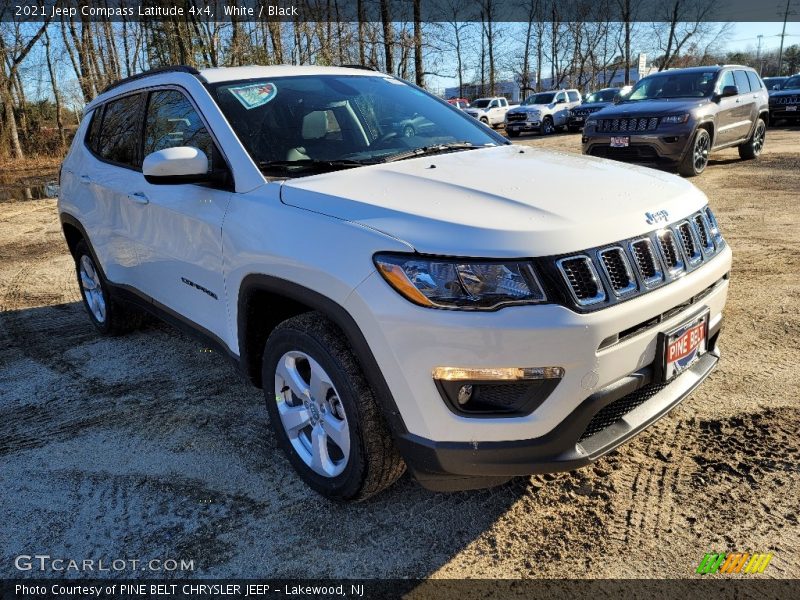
x=747, y=106
x=108, y=174
x=180, y=234
x=728, y=113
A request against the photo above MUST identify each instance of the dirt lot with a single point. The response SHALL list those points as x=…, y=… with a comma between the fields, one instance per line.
x=150, y=446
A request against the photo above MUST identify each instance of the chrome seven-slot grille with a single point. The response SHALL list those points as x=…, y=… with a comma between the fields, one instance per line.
x=632, y=267
x=517, y=116
x=628, y=124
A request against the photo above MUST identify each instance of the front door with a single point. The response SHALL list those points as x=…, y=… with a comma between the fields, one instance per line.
x=180, y=237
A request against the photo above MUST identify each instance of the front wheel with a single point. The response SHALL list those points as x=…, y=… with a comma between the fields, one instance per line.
x=484, y=120
x=324, y=413
x=753, y=147
x=547, y=126
x=696, y=157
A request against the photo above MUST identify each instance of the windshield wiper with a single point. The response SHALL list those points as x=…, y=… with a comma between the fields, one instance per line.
x=289, y=166
x=428, y=150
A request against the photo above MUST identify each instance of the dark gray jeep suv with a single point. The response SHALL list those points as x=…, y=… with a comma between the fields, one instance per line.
x=675, y=118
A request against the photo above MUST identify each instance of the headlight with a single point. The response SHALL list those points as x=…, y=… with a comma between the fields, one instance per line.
x=675, y=119
x=590, y=122
x=467, y=284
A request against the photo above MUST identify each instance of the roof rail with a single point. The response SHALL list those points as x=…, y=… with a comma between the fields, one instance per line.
x=364, y=67
x=156, y=71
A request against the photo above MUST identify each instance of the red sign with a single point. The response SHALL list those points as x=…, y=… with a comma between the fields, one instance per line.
x=687, y=343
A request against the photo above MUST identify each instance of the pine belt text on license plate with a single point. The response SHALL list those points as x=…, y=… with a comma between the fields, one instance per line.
x=684, y=345
x=620, y=142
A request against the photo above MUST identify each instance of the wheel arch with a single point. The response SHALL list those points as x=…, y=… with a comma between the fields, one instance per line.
x=265, y=301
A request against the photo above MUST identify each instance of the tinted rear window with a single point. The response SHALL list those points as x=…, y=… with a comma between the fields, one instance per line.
x=120, y=135
x=93, y=133
x=573, y=96
x=755, y=82
x=741, y=81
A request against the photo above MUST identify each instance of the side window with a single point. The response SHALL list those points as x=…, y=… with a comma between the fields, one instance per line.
x=755, y=81
x=172, y=121
x=562, y=97
x=494, y=104
x=503, y=102
x=741, y=81
x=725, y=80
x=573, y=96
x=93, y=133
x=119, y=135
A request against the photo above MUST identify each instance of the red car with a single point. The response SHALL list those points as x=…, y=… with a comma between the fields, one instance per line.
x=461, y=103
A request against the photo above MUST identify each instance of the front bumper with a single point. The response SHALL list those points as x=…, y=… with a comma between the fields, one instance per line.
x=409, y=341
x=667, y=148
x=603, y=421
x=528, y=125
x=784, y=111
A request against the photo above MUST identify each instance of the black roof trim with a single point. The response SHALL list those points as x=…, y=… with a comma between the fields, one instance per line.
x=172, y=69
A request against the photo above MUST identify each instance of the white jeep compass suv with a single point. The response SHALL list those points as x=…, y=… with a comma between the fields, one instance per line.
x=398, y=307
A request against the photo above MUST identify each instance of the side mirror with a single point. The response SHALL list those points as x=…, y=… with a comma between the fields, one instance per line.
x=182, y=164
x=777, y=86
x=729, y=90
x=561, y=101
x=617, y=99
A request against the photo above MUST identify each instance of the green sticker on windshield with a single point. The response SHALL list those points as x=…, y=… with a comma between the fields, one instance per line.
x=255, y=94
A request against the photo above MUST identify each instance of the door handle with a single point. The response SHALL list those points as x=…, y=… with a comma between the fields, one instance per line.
x=85, y=179
x=139, y=198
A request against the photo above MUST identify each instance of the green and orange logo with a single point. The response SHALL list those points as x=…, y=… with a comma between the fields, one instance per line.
x=734, y=562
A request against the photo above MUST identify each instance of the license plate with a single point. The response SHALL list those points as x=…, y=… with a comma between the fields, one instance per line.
x=578, y=119
x=620, y=142
x=684, y=345
x=788, y=108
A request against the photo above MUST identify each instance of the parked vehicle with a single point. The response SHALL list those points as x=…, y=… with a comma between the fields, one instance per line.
x=544, y=112
x=489, y=111
x=591, y=104
x=785, y=103
x=397, y=306
x=676, y=118
x=413, y=125
x=461, y=103
x=774, y=84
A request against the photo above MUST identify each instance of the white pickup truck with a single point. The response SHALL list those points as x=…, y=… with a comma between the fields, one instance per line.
x=544, y=112
x=491, y=111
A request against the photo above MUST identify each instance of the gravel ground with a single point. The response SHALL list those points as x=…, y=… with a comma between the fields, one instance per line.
x=150, y=446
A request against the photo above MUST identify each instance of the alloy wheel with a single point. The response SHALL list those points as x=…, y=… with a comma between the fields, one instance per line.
x=758, y=138
x=312, y=414
x=701, y=146
x=92, y=289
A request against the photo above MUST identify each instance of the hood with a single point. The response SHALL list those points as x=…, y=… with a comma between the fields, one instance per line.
x=530, y=108
x=474, y=109
x=593, y=105
x=784, y=93
x=651, y=108
x=498, y=202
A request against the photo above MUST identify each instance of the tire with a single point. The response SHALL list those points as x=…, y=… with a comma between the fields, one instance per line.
x=408, y=131
x=547, y=126
x=484, y=120
x=573, y=129
x=512, y=133
x=753, y=147
x=696, y=158
x=309, y=352
x=108, y=315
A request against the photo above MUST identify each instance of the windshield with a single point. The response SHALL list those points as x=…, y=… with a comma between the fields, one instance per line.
x=602, y=96
x=793, y=83
x=540, y=99
x=359, y=119
x=481, y=103
x=674, y=84
x=774, y=82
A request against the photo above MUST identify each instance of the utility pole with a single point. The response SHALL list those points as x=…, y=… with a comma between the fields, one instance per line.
x=758, y=56
x=783, y=34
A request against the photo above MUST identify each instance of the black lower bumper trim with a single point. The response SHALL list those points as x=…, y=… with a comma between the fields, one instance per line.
x=465, y=465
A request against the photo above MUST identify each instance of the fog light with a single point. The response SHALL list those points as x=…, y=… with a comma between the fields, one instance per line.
x=464, y=394
x=503, y=391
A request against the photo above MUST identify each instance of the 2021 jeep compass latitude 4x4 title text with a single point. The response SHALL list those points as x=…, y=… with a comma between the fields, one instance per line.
x=397, y=307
